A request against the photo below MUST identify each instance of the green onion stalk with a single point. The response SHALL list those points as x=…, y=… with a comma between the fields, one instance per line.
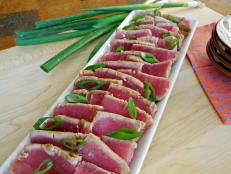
x=61, y=20
x=63, y=36
x=78, y=25
x=61, y=56
x=140, y=6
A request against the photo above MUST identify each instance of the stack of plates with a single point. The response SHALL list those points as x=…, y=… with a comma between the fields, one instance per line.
x=219, y=45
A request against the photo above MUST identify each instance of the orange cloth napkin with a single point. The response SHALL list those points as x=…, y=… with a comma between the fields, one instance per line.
x=216, y=85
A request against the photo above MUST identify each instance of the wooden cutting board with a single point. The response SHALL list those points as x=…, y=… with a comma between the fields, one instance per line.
x=190, y=137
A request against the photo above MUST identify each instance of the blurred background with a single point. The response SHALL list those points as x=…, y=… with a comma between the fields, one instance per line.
x=21, y=14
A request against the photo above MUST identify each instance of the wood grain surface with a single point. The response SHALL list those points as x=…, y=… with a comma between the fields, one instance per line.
x=190, y=139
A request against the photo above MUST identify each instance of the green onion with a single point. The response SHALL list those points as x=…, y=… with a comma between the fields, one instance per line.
x=61, y=20
x=132, y=108
x=140, y=23
x=61, y=56
x=52, y=38
x=173, y=19
x=120, y=48
x=56, y=29
x=125, y=134
x=147, y=57
x=166, y=35
x=173, y=42
x=83, y=84
x=110, y=20
x=75, y=98
x=139, y=16
x=73, y=144
x=57, y=122
x=149, y=91
x=100, y=44
x=131, y=27
x=44, y=166
x=138, y=6
x=79, y=25
x=96, y=66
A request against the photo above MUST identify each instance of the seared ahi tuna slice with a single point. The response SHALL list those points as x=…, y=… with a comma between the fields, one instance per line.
x=89, y=168
x=34, y=154
x=105, y=123
x=146, y=20
x=182, y=23
x=118, y=106
x=115, y=56
x=160, y=53
x=95, y=97
x=123, y=65
x=50, y=137
x=98, y=153
x=128, y=81
x=156, y=31
x=77, y=110
x=106, y=81
x=69, y=124
x=124, y=148
x=127, y=44
x=132, y=34
x=172, y=28
x=161, y=69
x=150, y=39
x=168, y=43
x=124, y=93
x=19, y=167
x=160, y=84
x=134, y=58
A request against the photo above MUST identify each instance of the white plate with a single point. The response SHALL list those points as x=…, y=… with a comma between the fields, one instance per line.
x=146, y=140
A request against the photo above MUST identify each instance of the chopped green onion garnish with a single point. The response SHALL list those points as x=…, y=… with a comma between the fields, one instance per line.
x=132, y=108
x=75, y=98
x=147, y=57
x=73, y=144
x=120, y=48
x=139, y=16
x=125, y=134
x=141, y=23
x=131, y=27
x=149, y=92
x=96, y=66
x=57, y=122
x=83, y=84
x=173, y=41
x=44, y=166
x=173, y=19
x=166, y=35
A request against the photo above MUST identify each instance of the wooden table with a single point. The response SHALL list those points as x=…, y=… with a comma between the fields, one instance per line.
x=190, y=138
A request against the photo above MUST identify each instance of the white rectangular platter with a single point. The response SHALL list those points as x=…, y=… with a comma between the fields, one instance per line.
x=145, y=142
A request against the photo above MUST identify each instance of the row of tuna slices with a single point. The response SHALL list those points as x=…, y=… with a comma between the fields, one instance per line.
x=123, y=76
